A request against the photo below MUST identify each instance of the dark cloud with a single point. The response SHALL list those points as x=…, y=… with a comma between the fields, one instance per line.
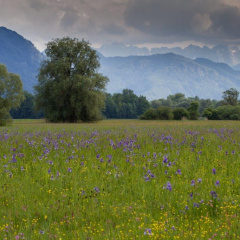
x=126, y=21
x=184, y=19
x=114, y=29
x=36, y=4
x=70, y=17
x=225, y=22
x=161, y=17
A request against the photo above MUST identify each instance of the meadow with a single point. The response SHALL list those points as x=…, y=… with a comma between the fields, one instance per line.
x=120, y=179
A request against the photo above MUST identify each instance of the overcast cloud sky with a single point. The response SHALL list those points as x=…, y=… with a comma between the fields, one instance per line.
x=135, y=22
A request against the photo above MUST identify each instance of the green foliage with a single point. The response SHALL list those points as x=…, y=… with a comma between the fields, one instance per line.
x=26, y=109
x=206, y=103
x=161, y=102
x=142, y=105
x=176, y=98
x=230, y=97
x=164, y=113
x=150, y=114
x=125, y=105
x=193, y=110
x=111, y=107
x=228, y=112
x=69, y=87
x=210, y=114
x=179, y=113
x=179, y=100
x=11, y=94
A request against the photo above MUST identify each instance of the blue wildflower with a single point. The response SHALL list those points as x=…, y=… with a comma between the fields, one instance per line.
x=169, y=186
x=214, y=194
x=217, y=183
x=148, y=231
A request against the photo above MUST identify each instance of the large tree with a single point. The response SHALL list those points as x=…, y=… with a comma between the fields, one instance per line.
x=230, y=97
x=70, y=89
x=11, y=94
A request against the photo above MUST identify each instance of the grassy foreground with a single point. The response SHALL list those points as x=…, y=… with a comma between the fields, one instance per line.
x=120, y=179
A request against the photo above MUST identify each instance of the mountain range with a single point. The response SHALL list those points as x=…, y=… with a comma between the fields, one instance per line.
x=154, y=76
x=159, y=75
x=229, y=54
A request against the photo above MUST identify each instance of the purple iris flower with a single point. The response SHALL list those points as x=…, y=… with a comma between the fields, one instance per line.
x=169, y=186
x=165, y=160
x=196, y=205
x=148, y=231
x=152, y=175
x=146, y=178
x=214, y=194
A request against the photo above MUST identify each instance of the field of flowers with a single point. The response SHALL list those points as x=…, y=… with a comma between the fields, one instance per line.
x=120, y=180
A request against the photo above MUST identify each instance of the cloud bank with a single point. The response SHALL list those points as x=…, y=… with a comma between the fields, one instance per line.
x=127, y=21
x=205, y=20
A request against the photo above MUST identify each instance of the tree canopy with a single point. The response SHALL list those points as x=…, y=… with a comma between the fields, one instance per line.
x=230, y=97
x=125, y=105
x=70, y=89
x=11, y=94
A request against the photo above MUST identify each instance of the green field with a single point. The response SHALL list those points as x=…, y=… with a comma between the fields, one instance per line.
x=120, y=179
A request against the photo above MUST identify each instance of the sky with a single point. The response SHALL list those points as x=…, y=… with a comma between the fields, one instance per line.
x=132, y=22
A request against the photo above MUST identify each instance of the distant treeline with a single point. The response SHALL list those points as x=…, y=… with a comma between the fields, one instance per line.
x=127, y=105
x=26, y=109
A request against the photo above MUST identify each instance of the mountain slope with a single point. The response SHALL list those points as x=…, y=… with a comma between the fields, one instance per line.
x=159, y=75
x=20, y=56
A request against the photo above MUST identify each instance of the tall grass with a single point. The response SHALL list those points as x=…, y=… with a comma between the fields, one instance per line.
x=117, y=179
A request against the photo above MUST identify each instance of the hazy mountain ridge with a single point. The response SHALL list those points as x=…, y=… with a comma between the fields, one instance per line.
x=159, y=75
x=221, y=53
x=154, y=76
x=20, y=56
